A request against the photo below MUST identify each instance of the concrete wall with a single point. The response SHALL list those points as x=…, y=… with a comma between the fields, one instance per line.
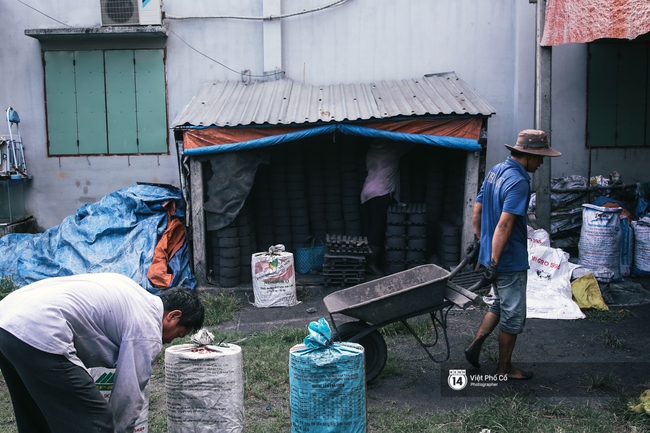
x=490, y=45
x=569, y=120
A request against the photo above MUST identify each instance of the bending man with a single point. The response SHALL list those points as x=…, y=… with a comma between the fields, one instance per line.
x=52, y=330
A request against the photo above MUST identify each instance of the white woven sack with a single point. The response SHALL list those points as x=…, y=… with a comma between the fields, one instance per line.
x=548, y=291
x=205, y=389
x=274, y=278
x=642, y=244
x=601, y=238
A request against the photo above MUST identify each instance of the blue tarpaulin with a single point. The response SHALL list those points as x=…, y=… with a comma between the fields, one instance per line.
x=460, y=143
x=116, y=234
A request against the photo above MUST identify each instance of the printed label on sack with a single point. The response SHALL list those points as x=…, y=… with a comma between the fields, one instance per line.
x=274, y=281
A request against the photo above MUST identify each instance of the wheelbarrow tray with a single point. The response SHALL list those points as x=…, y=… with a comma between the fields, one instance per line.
x=389, y=298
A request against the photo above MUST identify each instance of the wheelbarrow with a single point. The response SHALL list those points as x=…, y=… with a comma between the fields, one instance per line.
x=426, y=289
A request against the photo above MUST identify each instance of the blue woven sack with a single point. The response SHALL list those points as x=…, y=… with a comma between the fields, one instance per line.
x=310, y=258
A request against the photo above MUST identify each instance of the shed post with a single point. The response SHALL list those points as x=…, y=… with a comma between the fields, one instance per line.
x=542, y=178
x=472, y=170
x=198, y=220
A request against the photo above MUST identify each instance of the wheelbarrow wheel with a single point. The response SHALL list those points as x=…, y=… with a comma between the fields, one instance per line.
x=373, y=344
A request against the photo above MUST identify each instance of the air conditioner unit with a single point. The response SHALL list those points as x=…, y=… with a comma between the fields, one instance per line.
x=130, y=12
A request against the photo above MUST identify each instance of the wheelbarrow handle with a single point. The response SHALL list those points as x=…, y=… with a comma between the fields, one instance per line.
x=458, y=268
x=477, y=285
x=464, y=297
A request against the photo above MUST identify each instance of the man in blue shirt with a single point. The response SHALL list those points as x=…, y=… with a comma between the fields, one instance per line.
x=499, y=222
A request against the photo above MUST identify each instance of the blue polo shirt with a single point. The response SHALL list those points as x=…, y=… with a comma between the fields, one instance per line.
x=506, y=188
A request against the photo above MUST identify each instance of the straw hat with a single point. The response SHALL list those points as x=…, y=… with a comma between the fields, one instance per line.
x=534, y=142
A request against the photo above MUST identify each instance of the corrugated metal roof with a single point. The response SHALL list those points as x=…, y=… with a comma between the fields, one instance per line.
x=285, y=102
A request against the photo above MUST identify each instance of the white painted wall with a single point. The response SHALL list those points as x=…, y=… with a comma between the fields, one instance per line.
x=490, y=45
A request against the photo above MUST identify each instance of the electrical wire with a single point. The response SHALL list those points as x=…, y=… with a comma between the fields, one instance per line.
x=215, y=61
x=43, y=13
x=271, y=17
x=171, y=31
x=268, y=18
x=168, y=17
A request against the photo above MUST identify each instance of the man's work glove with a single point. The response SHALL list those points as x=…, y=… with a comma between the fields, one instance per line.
x=472, y=252
x=490, y=274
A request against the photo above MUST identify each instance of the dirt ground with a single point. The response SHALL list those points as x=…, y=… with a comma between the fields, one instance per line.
x=602, y=356
x=572, y=360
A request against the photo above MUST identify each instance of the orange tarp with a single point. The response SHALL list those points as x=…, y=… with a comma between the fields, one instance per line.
x=193, y=138
x=587, y=20
x=453, y=127
x=171, y=241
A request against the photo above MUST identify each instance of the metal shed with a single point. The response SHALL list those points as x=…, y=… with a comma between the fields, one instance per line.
x=233, y=127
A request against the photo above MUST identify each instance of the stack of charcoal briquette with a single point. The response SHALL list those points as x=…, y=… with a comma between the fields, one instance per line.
x=345, y=260
x=406, y=237
x=232, y=247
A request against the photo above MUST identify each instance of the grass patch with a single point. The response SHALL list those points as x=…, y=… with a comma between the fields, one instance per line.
x=266, y=362
x=220, y=307
x=509, y=414
x=157, y=421
x=638, y=421
x=266, y=379
x=397, y=367
x=7, y=420
x=607, y=316
x=7, y=285
x=420, y=324
x=606, y=338
x=598, y=382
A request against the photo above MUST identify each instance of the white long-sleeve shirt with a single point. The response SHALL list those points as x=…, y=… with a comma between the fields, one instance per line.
x=94, y=320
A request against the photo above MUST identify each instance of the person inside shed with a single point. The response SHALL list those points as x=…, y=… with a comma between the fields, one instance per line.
x=380, y=190
x=500, y=231
x=52, y=330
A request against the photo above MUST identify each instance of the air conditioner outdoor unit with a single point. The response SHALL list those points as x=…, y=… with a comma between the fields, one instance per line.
x=130, y=12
